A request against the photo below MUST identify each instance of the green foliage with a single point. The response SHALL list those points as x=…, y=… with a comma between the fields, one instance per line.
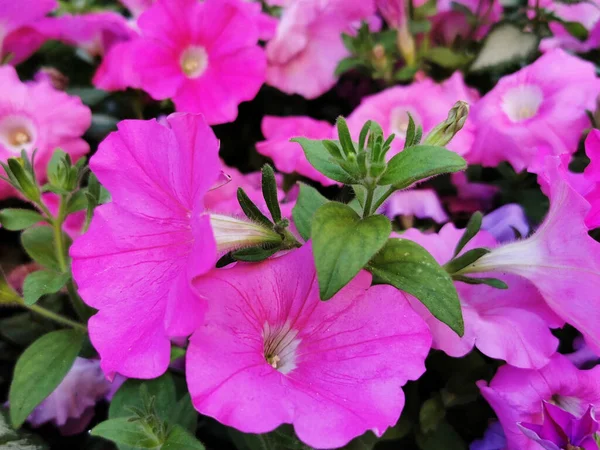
x=15, y=219
x=41, y=283
x=473, y=227
x=309, y=200
x=40, y=369
x=39, y=244
x=317, y=155
x=17, y=439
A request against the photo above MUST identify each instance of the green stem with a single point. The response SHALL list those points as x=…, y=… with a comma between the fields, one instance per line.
x=368, y=202
x=383, y=198
x=77, y=303
x=55, y=317
x=289, y=241
x=57, y=223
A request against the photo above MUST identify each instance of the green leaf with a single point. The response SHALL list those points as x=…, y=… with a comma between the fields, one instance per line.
x=40, y=369
x=123, y=431
x=184, y=414
x=464, y=260
x=473, y=227
x=38, y=242
x=15, y=219
x=77, y=202
x=180, y=439
x=576, y=29
x=492, y=282
x=418, y=163
x=128, y=396
x=11, y=439
x=269, y=190
x=309, y=200
x=251, y=210
x=347, y=64
x=410, y=132
x=447, y=58
x=444, y=437
x=41, y=283
x=254, y=254
x=88, y=96
x=343, y=243
x=406, y=73
x=409, y=267
x=319, y=158
x=344, y=136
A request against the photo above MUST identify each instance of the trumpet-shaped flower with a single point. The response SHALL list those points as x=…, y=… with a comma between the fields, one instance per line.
x=518, y=396
x=270, y=352
x=35, y=116
x=538, y=110
x=511, y=324
x=308, y=45
x=203, y=55
x=136, y=262
x=560, y=258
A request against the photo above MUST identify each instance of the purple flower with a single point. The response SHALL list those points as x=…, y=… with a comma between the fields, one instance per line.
x=493, y=439
x=504, y=221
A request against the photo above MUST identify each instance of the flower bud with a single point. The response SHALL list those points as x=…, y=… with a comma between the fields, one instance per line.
x=445, y=131
x=232, y=233
x=20, y=172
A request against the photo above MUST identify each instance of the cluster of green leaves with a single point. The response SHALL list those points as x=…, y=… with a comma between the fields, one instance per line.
x=348, y=238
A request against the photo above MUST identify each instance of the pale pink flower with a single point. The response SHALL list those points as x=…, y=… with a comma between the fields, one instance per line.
x=270, y=352
x=560, y=258
x=16, y=35
x=288, y=156
x=203, y=55
x=308, y=46
x=421, y=203
x=511, y=324
x=427, y=102
x=517, y=395
x=539, y=109
x=35, y=116
x=142, y=250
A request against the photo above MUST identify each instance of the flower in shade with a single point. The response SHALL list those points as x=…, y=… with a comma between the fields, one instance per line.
x=539, y=109
x=511, y=324
x=450, y=23
x=470, y=196
x=518, y=395
x=561, y=430
x=421, y=203
x=493, y=439
x=394, y=11
x=504, y=222
x=35, y=116
x=17, y=37
x=203, y=55
x=137, y=7
x=560, y=258
x=307, y=47
x=270, y=352
x=288, y=156
x=583, y=356
x=390, y=109
x=142, y=250
x=71, y=405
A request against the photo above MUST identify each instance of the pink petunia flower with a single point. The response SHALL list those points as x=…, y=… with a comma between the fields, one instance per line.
x=504, y=221
x=539, y=109
x=203, y=55
x=493, y=439
x=16, y=35
x=35, y=116
x=470, y=196
x=288, y=156
x=137, y=260
x=517, y=395
x=137, y=7
x=560, y=258
x=270, y=352
x=389, y=109
x=421, y=203
x=450, y=23
x=308, y=46
x=511, y=324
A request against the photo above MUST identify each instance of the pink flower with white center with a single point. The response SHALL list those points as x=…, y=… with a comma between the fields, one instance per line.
x=270, y=352
x=517, y=395
x=35, y=116
x=308, y=46
x=203, y=55
x=136, y=262
x=421, y=203
x=450, y=24
x=16, y=36
x=539, y=109
x=389, y=109
x=511, y=324
x=560, y=258
x=288, y=156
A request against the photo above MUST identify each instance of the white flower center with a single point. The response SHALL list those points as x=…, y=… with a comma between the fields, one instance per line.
x=572, y=405
x=280, y=345
x=399, y=120
x=522, y=102
x=194, y=61
x=17, y=133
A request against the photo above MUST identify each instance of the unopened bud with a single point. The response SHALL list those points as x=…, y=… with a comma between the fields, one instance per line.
x=232, y=233
x=25, y=179
x=445, y=131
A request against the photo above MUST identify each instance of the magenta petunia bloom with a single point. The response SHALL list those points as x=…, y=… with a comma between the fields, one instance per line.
x=389, y=109
x=518, y=396
x=137, y=260
x=562, y=430
x=539, y=109
x=583, y=356
x=450, y=24
x=270, y=352
x=504, y=222
x=511, y=324
x=17, y=37
x=288, y=156
x=307, y=47
x=35, y=116
x=421, y=203
x=560, y=258
x=203, y=55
